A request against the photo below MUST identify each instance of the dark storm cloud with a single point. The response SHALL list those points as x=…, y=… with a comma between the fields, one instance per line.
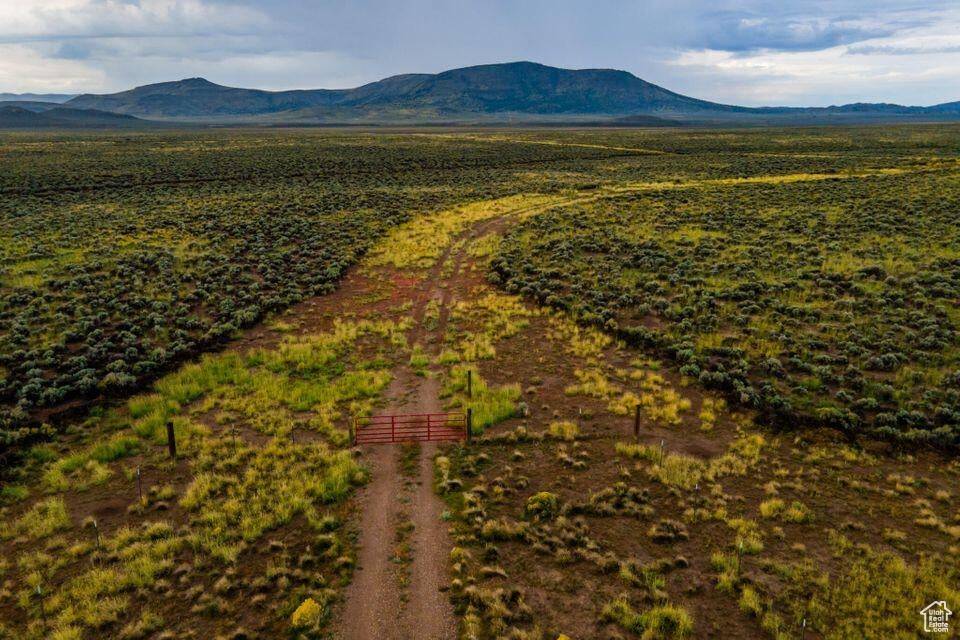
x=737, y=32
x=75, y=50
x=104, y=45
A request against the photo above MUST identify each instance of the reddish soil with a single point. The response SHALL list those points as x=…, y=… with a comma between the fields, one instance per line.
x=377, y=604
x=372, y=600
x=563, y=597
x=567, y=597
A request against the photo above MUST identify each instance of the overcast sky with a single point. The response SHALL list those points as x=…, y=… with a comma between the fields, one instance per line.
x=750, y=52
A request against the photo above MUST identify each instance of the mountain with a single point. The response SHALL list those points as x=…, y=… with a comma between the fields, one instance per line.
x=946, y=107
x=520, y=89
x=526, y=88
x=56, y=98
x=521, y=92
x=197, y=97
x=18, y=117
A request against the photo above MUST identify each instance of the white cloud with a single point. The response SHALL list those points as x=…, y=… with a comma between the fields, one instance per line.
x=107, y=45
x=286, y=69
x=941, y=38
x=916, y=65
x=25, y=70
x=270, y=70
x=42, y=19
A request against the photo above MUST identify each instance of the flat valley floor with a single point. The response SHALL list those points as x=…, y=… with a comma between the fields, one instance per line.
x=557, y=521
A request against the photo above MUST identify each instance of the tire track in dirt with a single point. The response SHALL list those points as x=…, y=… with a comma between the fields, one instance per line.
x=428, y=613
x=375, y=608
x=370, y=609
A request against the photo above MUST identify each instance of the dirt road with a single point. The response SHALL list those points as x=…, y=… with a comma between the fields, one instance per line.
x=378, y=603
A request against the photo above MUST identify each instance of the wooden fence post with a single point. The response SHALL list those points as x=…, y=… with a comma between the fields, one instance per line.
x=171, y=441
x=352, y=428
x=469, y=424
x=470, y=383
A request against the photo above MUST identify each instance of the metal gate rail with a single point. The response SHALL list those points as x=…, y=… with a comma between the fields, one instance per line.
x=413, y=427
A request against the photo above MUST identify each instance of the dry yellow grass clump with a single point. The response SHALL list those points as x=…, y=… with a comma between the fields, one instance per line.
x=419, y=243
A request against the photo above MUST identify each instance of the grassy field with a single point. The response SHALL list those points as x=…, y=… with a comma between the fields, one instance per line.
x=742, y=295
x=818, y=298
x=123, y=254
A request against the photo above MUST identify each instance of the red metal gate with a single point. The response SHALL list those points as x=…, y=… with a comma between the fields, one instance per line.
x=420, y=427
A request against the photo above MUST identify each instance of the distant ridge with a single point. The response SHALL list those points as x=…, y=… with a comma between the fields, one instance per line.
x=522, y=92
x=13, y=116
x=55, y=98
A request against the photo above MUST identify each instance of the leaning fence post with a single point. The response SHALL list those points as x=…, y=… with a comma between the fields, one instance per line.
x=43, y=612
x=636, y=424
x=96, y=534
x=171, y=441
x=469, y=424
x=739, y=557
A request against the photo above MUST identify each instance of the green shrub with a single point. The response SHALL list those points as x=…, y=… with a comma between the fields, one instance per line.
x=662, y=622
x=11, y=493
x=564, y=430
x=44, y=518
x=542, y=506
